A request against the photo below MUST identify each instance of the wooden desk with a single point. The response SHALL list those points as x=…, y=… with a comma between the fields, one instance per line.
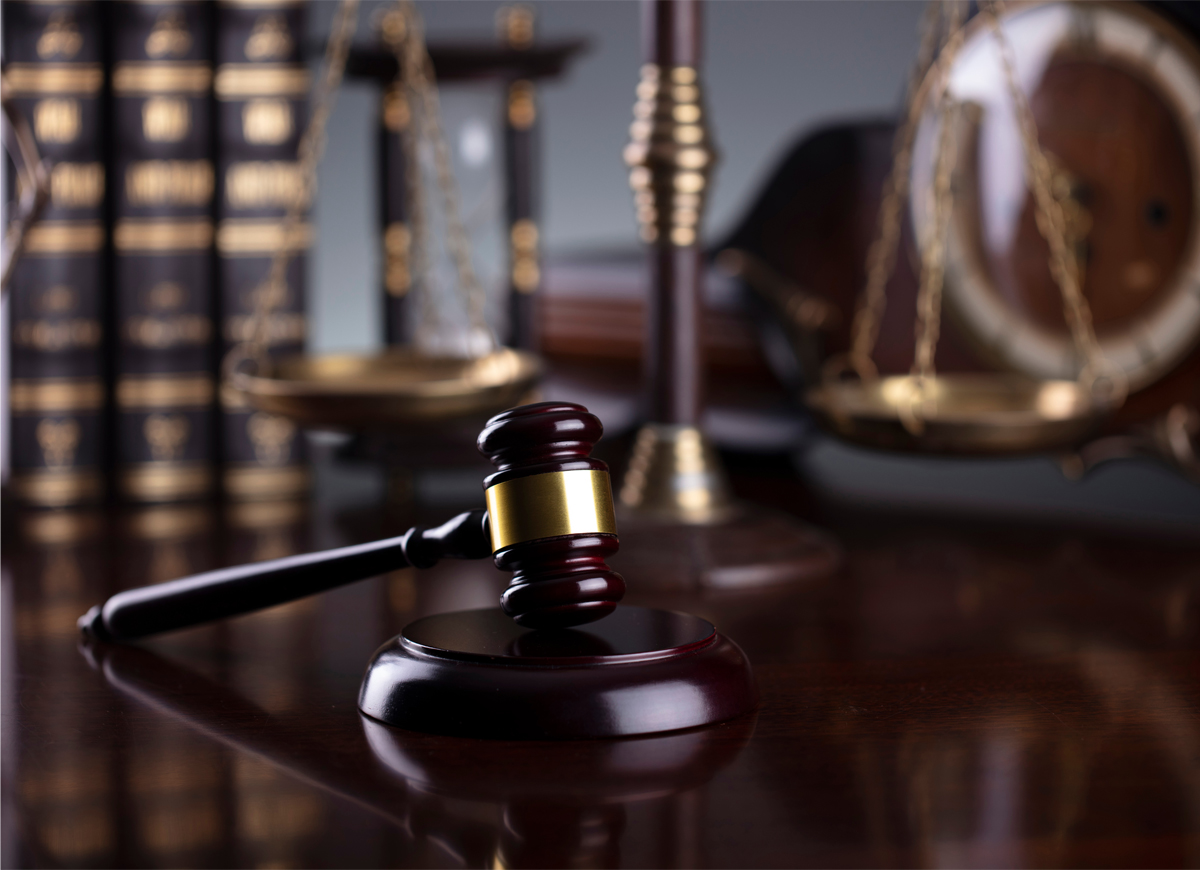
x=961, y=695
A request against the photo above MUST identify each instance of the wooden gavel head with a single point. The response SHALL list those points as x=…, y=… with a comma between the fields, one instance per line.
x=550, y=515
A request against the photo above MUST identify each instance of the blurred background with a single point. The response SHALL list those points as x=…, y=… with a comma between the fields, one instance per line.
x=200, y=373
x=800, y=102
x=773, y=72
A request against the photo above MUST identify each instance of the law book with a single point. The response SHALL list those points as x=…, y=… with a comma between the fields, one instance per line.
x=163, y=184
x=261, y=88
x=54, y=73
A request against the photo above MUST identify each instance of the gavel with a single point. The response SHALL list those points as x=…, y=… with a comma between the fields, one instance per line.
x=549, y=520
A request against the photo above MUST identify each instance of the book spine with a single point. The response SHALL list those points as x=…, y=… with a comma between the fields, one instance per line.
x=397, y=238
x=261, y=90
x=55, y=76
x=163, y=182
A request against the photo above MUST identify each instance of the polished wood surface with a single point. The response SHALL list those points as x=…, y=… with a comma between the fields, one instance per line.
x=962, y=693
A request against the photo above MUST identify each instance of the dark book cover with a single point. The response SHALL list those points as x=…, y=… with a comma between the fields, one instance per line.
x=163, y=186
x=261, y=90
x=54, y=73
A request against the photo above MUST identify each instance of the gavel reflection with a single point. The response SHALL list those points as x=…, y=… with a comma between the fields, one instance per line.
x=559, y=804
x=549, y=520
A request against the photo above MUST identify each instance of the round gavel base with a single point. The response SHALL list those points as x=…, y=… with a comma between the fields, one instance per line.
x=476, y=673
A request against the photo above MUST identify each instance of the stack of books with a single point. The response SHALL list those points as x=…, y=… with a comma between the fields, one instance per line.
x=172, y=130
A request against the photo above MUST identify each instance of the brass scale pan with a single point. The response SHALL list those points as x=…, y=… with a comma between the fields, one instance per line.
x=397, y=387
x=969, y=414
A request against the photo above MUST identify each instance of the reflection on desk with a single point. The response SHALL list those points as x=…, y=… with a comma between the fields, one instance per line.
x=960, y=695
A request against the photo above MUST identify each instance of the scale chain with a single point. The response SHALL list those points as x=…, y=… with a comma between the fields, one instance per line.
x=881, y=257
x=312, y=145
x=416, y=69
x=1052, y=224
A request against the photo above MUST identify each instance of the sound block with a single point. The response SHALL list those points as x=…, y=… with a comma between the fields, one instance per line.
x=476, y=673
x=755, y=547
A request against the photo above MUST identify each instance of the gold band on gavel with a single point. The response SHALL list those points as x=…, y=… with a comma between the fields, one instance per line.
x=549, y=505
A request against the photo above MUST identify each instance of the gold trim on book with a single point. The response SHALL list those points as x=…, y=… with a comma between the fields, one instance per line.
x=45, y=395
x=252, y=237
x=550, y=505
x=61, y=527
x=164, y=391
x=161, y=78
x=159, y=234
x=256, y=482
x=64, y=237
x=237, y=81
x=267, y=514
x=57, y=488
x=169, y=522
x=28, y=79
x=164, y=481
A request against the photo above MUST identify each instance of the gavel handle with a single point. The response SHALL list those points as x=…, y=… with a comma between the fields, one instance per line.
x=201, y=598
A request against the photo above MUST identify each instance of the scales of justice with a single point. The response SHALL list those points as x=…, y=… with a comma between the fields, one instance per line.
x=561, y=658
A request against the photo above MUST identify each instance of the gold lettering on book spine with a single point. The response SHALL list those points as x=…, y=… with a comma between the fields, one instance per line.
x=163, y=235
x=60, y=38
x=56, y=487
x=267, y=121
x=57, y=120
x=164, y=391
x=29, y=79
x=269, y=39
x=49, y=395
x=271, y=436
x=62, y=528
x=239, y=81
x=165, y=481
x=167, y=435
x=169, y=35
x=137, y=77
x=254, y=237
x=52, y=336
x=77, y=185
x=166, y=119
x=282, y=328
x=256, y=482
x=161, y=332
x=64, y=237
x=263, y=184
x=58, y=440
x=169, y=182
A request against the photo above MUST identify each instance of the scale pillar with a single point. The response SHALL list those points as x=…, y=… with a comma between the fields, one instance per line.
x=675, y=478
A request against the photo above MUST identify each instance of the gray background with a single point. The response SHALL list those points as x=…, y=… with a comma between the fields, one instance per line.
x=772, y=71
